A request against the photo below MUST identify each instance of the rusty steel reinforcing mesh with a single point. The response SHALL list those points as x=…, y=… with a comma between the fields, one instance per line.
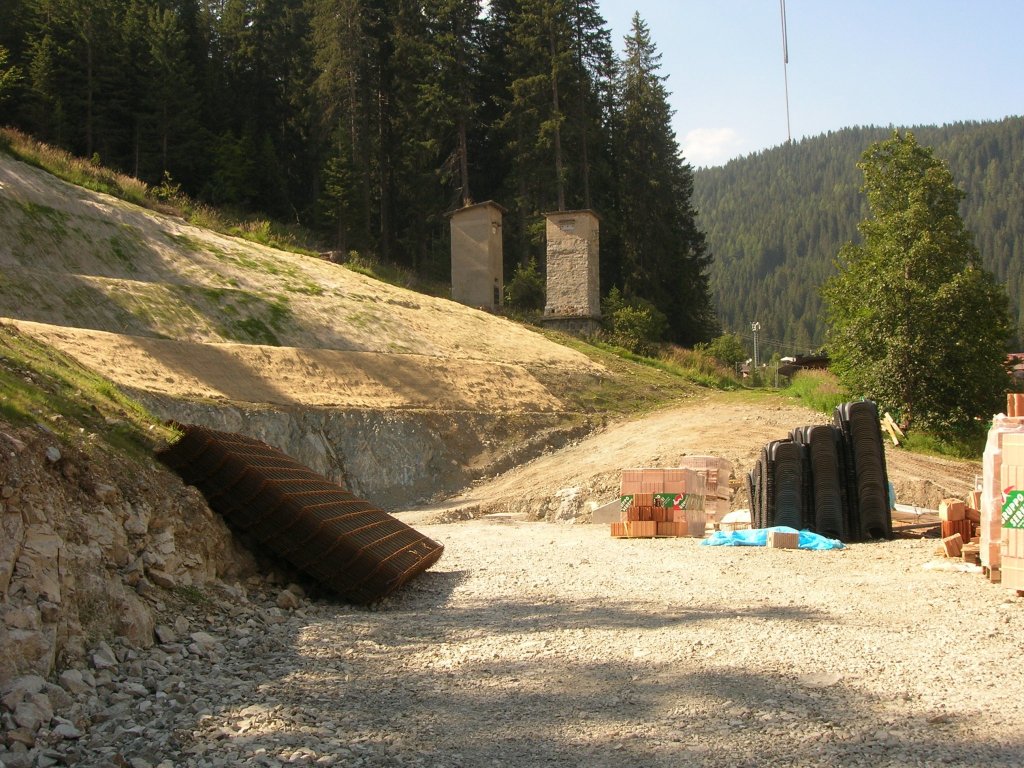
x=344, y=542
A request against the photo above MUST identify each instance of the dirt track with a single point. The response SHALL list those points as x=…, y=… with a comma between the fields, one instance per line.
x=559, y=484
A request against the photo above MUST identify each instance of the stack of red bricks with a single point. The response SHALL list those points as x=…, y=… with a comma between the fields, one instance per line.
x=958, y=524
x=661, y=502
x=716, y=473
x=1002, y=497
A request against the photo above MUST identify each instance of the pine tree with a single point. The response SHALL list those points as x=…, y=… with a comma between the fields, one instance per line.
x=665, y=258
x=342, y=50
x=170, y=94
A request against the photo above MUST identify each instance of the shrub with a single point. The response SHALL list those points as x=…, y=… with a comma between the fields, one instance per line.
x=727, y=349
x=635, y=324
x=525, y=292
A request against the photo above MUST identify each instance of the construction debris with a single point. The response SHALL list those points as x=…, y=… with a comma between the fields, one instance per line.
x=953, y=545
x=1002, y=493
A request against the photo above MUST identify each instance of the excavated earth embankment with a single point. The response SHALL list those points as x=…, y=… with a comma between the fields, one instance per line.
x=137, y=631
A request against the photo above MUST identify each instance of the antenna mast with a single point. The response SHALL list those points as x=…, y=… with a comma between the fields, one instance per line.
x=785, y=66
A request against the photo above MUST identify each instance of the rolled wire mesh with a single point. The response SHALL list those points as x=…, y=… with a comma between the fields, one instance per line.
x=346, y=543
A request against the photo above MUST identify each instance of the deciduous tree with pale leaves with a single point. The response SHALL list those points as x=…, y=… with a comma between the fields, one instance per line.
x=915, y=323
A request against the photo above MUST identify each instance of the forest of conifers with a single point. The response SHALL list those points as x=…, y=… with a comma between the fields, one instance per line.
x=366, y=121
x=775, y=221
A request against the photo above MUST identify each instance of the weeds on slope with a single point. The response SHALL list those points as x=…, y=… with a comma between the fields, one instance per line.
x=39, y=385
x=166, y=198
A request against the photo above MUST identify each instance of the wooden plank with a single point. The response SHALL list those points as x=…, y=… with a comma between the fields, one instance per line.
x=895, y=426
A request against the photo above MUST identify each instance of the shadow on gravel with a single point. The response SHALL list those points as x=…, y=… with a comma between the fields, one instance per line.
x=523, y=704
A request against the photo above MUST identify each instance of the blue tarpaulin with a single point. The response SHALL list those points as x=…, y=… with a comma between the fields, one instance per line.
x=758, y=537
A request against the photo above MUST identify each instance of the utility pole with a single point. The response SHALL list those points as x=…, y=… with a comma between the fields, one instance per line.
x=755, y=327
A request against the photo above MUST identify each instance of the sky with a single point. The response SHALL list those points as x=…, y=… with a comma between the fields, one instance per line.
x=851, y=63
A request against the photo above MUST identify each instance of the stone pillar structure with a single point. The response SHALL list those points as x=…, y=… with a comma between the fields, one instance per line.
x=477, y=266
x=573, y=274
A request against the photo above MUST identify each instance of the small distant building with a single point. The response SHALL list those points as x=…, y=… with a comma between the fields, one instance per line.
x=477, y=260
x=573, y=271
x=791, y=365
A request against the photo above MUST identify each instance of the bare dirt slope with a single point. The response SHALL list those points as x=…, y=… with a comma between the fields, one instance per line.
x=161, y=305
x=164, y=307
x=560, y=485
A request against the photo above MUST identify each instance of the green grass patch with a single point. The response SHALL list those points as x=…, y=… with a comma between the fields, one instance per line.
x=627, y=385
x=124, y=247
x=39, y=385
x=818, y=390
x=969, y=448
x=393, y=274
x=190, y=243
x=76, y=170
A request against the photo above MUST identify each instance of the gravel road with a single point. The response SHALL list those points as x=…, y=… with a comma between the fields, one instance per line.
x=533, y=644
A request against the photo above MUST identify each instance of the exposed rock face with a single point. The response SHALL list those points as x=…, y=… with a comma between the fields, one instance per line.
x=394, y=459
x=88, y=545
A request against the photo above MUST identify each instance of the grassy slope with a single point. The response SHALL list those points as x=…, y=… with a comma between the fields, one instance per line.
x=114, y=267
x=38, y=385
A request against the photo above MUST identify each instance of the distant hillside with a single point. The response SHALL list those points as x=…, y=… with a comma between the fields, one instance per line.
x=776, y=220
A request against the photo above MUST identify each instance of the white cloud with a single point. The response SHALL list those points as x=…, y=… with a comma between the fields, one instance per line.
x=704, y=147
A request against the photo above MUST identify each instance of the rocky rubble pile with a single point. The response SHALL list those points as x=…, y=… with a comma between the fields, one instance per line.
x=124, y=705
x=90, y=543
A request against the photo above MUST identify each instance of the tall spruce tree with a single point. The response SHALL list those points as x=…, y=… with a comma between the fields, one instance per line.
x=341, y=54
x=915, y=322
x=665, y=257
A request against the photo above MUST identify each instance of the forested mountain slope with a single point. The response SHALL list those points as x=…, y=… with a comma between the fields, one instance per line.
x=775, y=221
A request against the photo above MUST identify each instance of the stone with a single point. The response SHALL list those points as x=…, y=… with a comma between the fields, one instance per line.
x=22, y=737
x=25, y=617
x=24, y=759
x=53, y=454
x=12, y=536
x=26, y=684
x=103, y=657
x=34, y=711
x=163, y=542
x=165, y=634
x=136, y=526
x=181, y=625
x=162, y=578
x=205, y=641
x=49, y=612
x=66, y=731
x=105, y=493
x=59, y=698
x=74, y=682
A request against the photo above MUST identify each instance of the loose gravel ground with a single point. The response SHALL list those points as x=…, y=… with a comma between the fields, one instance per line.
x=539, y=644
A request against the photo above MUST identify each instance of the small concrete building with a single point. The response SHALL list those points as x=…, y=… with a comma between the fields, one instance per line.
x=477, y=265
x=573, y=271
